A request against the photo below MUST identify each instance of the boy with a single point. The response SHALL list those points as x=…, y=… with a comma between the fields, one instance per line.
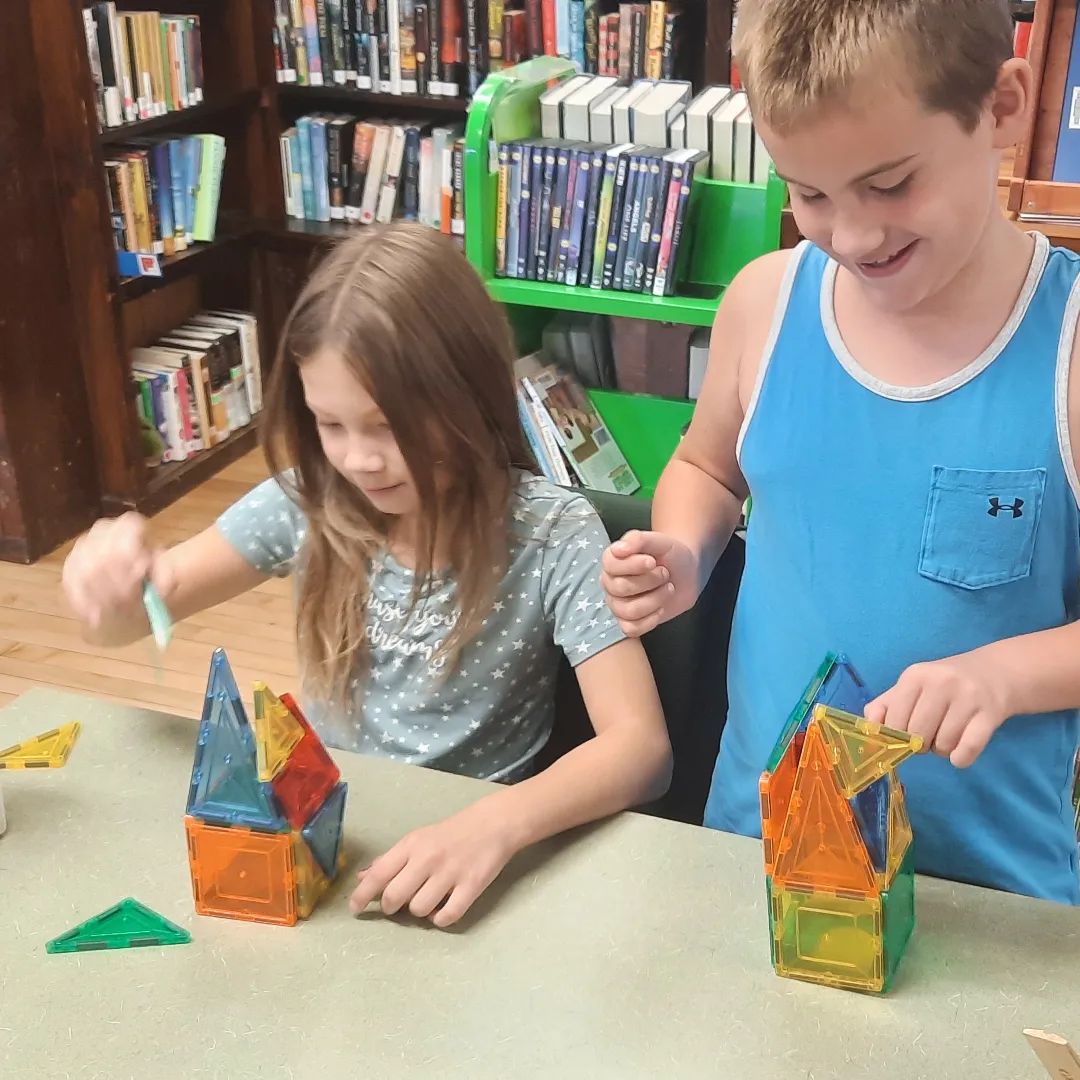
x=895, y=394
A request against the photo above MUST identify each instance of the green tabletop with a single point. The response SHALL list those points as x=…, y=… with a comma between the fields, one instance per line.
x=634, y=948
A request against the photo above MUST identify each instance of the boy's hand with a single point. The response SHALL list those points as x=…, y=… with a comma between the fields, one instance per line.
x=453, y=861
x=955, y=704
x=648, y=578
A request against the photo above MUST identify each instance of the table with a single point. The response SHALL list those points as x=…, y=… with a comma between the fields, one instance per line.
x=633, y=948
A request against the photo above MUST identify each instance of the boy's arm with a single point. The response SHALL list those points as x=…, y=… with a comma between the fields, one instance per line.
x=652, y=577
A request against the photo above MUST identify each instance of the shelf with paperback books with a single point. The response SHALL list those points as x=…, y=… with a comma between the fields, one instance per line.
x=727, y=223
x=338, y=169
x=144, y=64
x=446, y=48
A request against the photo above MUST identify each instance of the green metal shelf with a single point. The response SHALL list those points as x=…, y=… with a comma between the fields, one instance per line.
x=690, y=310
x=728, y=224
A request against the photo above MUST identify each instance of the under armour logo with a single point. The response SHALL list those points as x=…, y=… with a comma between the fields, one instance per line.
x=997, y=507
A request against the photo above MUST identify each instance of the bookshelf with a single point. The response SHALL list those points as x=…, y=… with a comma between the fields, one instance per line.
x=69, y=440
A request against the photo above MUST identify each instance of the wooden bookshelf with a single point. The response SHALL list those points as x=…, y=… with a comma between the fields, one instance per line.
x=69, y=439
x=195, y=118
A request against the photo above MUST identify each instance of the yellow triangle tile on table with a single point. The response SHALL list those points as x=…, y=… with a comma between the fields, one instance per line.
x=49, y=750
x=277, y=732
x=861, y=750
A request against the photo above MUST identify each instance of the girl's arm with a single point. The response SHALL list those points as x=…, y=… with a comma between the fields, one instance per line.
x=104, y=574
x=627, y=763
x=440, y=870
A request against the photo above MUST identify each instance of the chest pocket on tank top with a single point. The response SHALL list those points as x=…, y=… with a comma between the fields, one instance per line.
x=981, y=525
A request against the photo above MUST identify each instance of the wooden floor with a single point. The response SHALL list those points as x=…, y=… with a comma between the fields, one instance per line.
x=40, y=643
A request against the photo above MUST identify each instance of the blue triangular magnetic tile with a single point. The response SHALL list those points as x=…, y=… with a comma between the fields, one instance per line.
x=221, y=681
x=225, y=786
x=323, y=831
x=871, y=809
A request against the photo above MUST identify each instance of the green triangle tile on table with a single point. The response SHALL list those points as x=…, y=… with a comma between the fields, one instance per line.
x=126, y=925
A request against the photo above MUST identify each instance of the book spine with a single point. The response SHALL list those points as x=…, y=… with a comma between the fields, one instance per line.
x=475, y=42
x=531, y=169
x=562, y=27
x=549, y=18
x=592, y=206
x=671, y=203
x=393, y=29
x=577, y=33
x=604, y=217
x=116, y=215
x=502, y=197
x=543, y=234
x=571, y=258
x=363, y=137
x=206, y=208
x=591, y=32
x=637, y=42
x=320, y=173
x=163, y=196
x=677, y=233
x=311, y=39
x=669, y=48
x=565, y=172
x=335, y=32
x=631, y=220
x=296, y=20
x=176, y=176
x=361, y=57
x=634, y=272
x=512, y=221
x=452, y=46
x=618, y=204
x=407, y=45
x=422, y=38
x=656, y=227
x=434, y=74
x=626, y=31
x=307, y=172
x=514, y=44
x=350, y=33
x=496, y=13
x=410, y=195
x=335, y=170
x=457, y=225
x=198, y=80
x=534, y=28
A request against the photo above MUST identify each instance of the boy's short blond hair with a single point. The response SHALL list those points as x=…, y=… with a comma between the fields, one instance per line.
x=795, y=55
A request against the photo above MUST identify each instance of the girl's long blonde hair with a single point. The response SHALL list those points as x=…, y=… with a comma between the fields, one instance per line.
x=412, y=320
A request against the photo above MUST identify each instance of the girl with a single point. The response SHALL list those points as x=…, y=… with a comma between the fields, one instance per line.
x=438, y=578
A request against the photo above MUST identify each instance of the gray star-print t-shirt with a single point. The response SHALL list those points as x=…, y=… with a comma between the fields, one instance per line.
x=491, y=714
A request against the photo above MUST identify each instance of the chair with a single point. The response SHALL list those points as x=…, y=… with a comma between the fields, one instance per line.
x=689, y=661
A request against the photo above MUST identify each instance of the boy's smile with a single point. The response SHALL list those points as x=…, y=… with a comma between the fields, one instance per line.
x=900, y=196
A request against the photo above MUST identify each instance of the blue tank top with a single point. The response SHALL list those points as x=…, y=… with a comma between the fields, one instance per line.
x=899, y=525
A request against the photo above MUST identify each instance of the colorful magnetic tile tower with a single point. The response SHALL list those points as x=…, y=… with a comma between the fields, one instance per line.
x=265, y=807
x=837, y=840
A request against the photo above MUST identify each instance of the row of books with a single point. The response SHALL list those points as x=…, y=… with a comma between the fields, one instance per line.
x=199, y=383
x=602, y=109
x=143, y=63
x=429, y=47
x=610, y=217
x=569, y=440
x=163, y=193
x=340, y=168
x=638, y=356
x=634, y=40
x=443, y=48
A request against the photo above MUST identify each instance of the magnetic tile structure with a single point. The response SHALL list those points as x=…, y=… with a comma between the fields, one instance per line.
x=265, y=808
x=837, y=841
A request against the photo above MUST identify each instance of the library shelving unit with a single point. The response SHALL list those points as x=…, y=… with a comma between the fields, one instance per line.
x=69, y=439
x=732, y=224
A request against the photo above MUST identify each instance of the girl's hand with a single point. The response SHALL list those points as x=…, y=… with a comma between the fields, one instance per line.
x=438, y=871
x=955, y=704
x=648, y=578
x=104, y=573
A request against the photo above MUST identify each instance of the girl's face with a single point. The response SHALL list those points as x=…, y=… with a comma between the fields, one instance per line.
x=355, y=436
